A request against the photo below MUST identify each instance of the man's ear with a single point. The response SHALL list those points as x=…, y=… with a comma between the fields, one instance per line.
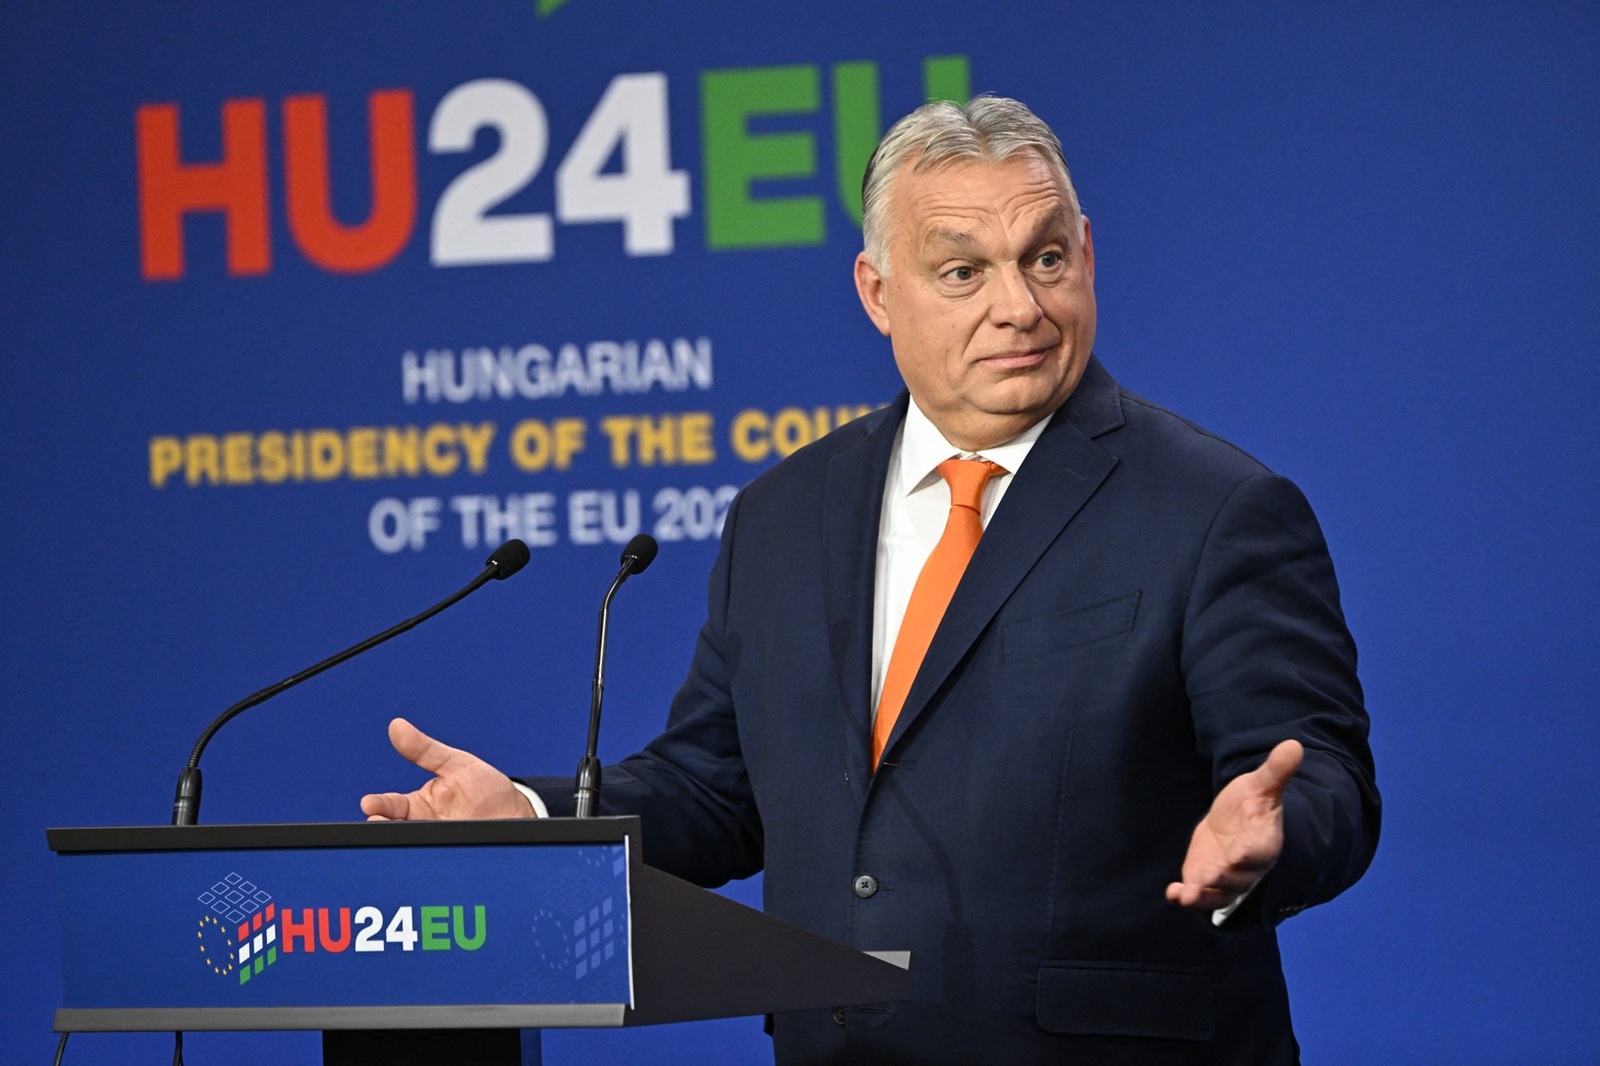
x=870, y=286
x=1088, y=248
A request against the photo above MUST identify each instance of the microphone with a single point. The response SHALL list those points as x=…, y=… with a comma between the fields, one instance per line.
x=507, y=559
x=639, y=554
x=636, y=558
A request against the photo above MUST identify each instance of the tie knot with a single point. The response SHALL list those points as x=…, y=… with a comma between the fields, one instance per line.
x=966, y=478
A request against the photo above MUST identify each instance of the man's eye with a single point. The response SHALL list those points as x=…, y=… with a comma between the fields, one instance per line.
x=961, y=273
x=1050, y=260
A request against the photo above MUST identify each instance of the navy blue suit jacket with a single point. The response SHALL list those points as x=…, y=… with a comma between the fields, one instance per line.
x=1150, y=610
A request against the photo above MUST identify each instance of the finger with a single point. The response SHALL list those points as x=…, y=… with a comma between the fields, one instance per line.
x=1199, y=897
x=418, y=747
x=1282, y=763
x=385, y=806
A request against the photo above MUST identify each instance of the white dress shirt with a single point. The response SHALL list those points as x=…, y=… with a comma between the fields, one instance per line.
x=916, y=505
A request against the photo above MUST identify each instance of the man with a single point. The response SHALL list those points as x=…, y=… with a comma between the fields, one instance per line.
x=1141, y=673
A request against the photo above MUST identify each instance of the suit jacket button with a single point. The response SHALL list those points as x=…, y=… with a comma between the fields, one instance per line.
x=865, y=885
x=838, y=1016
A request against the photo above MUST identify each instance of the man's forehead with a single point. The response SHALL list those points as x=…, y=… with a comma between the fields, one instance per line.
x=949, y=203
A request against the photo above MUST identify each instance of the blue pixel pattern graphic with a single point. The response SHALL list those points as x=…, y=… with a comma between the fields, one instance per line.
x=579, y=928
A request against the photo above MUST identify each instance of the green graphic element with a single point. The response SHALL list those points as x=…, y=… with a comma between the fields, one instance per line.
x=735, y=157
x=857, y=125
x=435, y=928
x=261, y=961
x=947, y=78
x=458, y=922
x=547, y=7
x=858, y=120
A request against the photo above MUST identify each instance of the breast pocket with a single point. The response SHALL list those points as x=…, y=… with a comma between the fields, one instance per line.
x=1049, y=633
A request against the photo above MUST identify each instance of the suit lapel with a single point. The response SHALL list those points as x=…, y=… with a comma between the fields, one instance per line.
x=1062, y=471
x=853, y=511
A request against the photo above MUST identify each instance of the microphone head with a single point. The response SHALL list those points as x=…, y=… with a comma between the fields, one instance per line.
x=640, y=553
x=507, y=559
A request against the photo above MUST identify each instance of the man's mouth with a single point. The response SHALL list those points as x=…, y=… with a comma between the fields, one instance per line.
x=1020, y=359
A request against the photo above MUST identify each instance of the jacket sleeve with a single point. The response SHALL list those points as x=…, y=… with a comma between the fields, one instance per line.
x=1267, y=657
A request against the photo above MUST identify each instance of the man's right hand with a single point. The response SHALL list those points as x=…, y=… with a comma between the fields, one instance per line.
x=463, y=785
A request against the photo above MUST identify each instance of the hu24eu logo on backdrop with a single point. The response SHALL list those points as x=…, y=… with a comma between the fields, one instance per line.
x=645, y=193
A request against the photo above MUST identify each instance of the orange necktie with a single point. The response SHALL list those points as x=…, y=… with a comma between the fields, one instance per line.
x=935, y=585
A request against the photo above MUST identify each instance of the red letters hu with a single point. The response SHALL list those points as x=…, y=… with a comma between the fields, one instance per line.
x=236, y=185
x=324, y=240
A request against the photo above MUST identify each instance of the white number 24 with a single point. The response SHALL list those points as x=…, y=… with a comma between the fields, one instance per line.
x=646, y=195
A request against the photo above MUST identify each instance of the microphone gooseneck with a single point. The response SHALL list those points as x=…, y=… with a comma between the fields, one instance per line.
x=636, y=558
x=506, y=560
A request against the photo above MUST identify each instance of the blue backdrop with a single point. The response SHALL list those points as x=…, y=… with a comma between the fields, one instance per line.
x=307, y=305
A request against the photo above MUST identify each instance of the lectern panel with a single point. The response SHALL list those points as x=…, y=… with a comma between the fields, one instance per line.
x=343, y=925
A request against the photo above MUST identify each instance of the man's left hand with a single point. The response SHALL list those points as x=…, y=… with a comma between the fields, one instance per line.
x=1241, y=837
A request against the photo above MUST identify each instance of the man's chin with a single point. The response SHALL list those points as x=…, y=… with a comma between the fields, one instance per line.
x=1025, y=398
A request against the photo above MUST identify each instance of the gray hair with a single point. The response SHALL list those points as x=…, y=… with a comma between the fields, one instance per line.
x=987, y=129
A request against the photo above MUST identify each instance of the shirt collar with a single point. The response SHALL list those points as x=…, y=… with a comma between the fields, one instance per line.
x=923, y=448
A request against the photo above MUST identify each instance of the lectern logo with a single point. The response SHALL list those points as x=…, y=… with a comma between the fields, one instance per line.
x=238, y=933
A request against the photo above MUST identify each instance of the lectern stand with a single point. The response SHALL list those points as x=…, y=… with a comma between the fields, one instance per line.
x=479, y=929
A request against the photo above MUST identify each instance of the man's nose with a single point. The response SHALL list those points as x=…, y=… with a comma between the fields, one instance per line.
x=1014, y=304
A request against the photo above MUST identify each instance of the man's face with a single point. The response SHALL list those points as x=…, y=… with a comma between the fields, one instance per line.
x=989, y=296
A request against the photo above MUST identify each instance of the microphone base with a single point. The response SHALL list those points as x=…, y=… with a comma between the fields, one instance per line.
x=586, y=792
x=186, y=803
